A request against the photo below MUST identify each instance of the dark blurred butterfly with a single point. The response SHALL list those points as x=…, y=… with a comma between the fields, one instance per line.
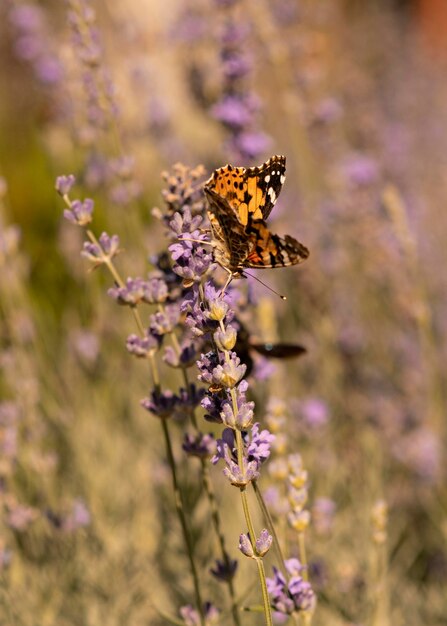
x=245, y=348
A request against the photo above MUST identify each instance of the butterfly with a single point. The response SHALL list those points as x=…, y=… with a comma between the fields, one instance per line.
x=240, y=200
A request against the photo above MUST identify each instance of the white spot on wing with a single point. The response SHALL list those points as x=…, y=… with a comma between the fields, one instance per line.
x=267, y=178
x=282, y=179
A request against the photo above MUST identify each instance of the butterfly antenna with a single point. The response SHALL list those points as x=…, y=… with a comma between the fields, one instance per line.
x=266, y=286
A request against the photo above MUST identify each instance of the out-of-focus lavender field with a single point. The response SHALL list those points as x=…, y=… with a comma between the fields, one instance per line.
x=106, y=519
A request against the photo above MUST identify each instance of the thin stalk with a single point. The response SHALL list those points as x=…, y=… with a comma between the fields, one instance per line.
x=265, y=593
x=218, y=529
x=182, y=518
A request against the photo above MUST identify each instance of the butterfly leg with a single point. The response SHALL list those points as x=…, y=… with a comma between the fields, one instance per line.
x=229, y=279
x=204, y=243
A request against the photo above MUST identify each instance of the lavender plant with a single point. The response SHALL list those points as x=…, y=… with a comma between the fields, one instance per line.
x=201, y=323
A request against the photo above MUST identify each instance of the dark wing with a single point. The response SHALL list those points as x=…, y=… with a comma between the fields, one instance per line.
x=279, y=350
x=267, y=250
x=227, y=230
x=250, y=192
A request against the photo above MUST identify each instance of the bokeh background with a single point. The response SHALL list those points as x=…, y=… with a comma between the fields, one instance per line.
x=354, y=94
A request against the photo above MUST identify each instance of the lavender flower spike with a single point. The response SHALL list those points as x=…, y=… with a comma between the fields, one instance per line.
x=64, y=184
x=80, y=213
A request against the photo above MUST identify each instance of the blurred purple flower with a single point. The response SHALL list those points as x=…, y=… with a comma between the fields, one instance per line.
x=323, y=512
x=360, y=170
x=191, y=616
x=200, y=445
x=421, y=451
x=314, y=412
x=161, y=403
x=78, y=518
x=224, y=571
x=142, y=347
x=234, y=111
x=80, y=212
x=20, y=516
x=64, y=184
x=293, y=595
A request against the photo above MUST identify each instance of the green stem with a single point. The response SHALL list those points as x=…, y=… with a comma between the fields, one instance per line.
x=218, y=529
x=265, y=593
x=181, y=514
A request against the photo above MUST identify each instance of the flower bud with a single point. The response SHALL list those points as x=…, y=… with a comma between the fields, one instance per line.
x=217, y=310
x=245, y=545
x=263, y=542
x=225, y=339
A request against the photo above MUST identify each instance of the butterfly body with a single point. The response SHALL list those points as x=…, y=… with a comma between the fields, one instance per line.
x=240, y=200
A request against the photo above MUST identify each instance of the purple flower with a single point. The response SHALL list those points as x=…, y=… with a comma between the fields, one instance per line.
x=191, y=262
x=108, y=248
x=250, y=144
x=213, y=405
x=161, y=403
x=27, y=17
x=164, y=322
x=190, y=398
x=20, y=516
x=360, y=170
x=323, y=513
x=200, y=445
x=80, y=212
x=244, y=415
x=185, y=358
x=191, y=616
x=153, y=291
x=184, y=223
x=327, y=111
x=109, y=244
x=245, y=545
x=263, y=542
x=225, y=339
x=206, y=365
x=292, y=596
x=78, y=518
x=259, y=446
x=142, y=347
x=132, y=293
x=235, y=65
x=234, y=111
x=224, y=571
x=64, y=184
x=238, y=476
x=315, y=412
x=230, y=373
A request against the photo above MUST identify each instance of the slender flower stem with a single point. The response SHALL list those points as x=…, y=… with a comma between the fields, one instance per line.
x=182, y=518
x=265, y=593
x=218, y=529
